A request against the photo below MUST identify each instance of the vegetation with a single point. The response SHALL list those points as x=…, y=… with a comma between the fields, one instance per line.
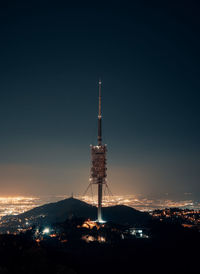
x=169, y=249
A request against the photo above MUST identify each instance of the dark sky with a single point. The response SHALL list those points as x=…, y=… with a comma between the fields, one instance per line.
x=51, y=56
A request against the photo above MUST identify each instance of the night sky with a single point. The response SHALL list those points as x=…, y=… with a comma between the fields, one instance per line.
x=52, y=54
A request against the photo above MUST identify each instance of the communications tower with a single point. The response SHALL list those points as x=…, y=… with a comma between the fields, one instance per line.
x=98, y=160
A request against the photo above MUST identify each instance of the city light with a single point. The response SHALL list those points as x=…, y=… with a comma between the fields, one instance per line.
x=46, y=231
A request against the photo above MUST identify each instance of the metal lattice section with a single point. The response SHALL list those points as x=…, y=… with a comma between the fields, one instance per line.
x=98, y=169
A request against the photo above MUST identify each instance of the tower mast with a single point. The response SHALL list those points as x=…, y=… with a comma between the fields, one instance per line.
x=98, y=169
x=100, y=186
x=99, y=117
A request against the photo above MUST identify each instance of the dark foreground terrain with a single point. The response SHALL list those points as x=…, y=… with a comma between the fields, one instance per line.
x=169, y=248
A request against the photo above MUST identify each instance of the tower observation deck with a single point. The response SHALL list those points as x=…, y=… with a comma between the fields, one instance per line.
x=98, y=162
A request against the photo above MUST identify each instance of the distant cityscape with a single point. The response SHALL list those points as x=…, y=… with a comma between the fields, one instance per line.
x=187, y=218
x=20, y=204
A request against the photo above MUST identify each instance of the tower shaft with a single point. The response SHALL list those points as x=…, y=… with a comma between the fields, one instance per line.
x=100, y=186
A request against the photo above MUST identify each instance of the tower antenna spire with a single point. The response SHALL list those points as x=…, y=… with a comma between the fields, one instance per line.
x=99, y=117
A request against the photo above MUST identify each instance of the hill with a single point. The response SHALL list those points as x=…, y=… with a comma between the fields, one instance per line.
x=62, y=210
x=66, y=209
